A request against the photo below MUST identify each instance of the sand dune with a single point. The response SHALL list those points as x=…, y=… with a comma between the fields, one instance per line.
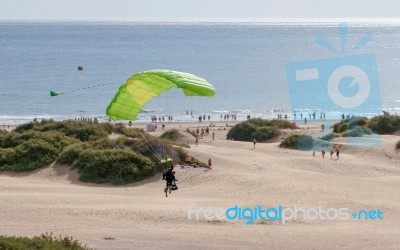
x=139, y=216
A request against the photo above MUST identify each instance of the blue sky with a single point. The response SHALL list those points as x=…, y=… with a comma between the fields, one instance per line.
x=194, y=9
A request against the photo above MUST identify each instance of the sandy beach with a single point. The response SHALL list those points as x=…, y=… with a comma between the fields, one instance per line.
x=139, y=216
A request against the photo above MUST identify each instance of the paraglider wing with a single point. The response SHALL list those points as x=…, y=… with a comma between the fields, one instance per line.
x=144, y=86
x=166, y=160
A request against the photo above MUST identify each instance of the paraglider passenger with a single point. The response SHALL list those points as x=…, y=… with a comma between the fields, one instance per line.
x=170, y=178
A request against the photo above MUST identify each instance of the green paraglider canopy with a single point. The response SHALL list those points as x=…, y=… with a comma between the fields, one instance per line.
x=144, y=86
x=166, y=160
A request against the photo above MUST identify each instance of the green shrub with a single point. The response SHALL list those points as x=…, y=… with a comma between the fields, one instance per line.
x=279, y=123
x=357, y=122
x=33, y=154
x=43, y=242
x=116, y=166
x=329, y=136
x=340, y=127
x=385, y=124
x=105, y=143
x=258, y=122
x=357, y=132
x=172, y=134
x=82, y=130
x=242, y=131
x=10, y=140
x=31, y=149
x=7, y=156
x=303, y=142
x=265, y=132
x=108, y=127
x=350, y=123
x=247, y=130
x=71, y=153
x=129, y=132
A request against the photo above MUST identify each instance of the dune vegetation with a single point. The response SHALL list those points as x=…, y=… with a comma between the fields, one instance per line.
x=42, y=242
x=360, y=126
x=385, y=124
x=132, y=156
x=258, y=129
x=351, y=127
x=303, y=142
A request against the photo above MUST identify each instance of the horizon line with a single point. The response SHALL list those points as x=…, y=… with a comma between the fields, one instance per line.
x=215, y=20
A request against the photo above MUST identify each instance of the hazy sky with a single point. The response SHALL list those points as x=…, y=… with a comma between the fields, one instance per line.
x=194, y=9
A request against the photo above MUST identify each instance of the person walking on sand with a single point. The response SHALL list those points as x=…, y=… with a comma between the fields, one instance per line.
x=254, y=143
x=313, y=154
x=197, y=139
x=323, y=154
x=209, y=163
x=213, y=135
x=337, y=154
x=331, y=153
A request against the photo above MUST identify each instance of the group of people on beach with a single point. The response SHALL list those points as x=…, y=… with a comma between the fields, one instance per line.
x=199, y=133
x=331, y=153
x=203, y=118
x=310, y=116
x=155, y=119
x=228, y=117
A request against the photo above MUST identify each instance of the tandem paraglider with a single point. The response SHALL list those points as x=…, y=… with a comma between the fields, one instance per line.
x=140, y=89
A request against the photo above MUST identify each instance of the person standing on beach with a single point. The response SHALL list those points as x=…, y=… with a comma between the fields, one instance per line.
x=209, y=163
x=323, y=154
x=337, y=154
x=213, y=135
x=254, y=143
x=313, y=154
x=197, y=139
x=331, y=153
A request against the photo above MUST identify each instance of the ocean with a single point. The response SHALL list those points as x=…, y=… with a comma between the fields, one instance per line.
x=245, y=62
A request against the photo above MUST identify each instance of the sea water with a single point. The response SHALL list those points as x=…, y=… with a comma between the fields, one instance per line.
x=245, y=62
